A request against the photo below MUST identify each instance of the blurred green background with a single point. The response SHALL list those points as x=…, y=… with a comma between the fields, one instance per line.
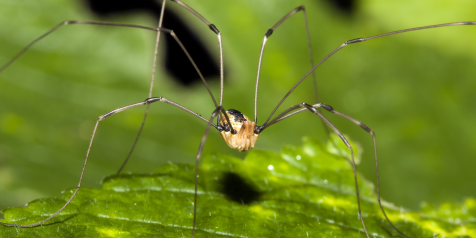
x=415, y=90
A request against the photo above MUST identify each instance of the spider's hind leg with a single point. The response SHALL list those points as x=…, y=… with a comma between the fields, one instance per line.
x=298, y=108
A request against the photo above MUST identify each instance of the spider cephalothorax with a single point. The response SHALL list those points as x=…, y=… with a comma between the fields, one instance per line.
x=245, y=137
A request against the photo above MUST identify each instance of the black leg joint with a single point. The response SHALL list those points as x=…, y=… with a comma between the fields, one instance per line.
x=151, y=100
x=258, y=129
x=268, y=33
x=106, y=115
x=214, y=29
x=366, y=128
x=327, y=107
x=357, y=40
x=225, y=127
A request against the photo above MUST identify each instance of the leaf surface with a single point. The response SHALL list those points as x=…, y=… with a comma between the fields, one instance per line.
x=303, y=191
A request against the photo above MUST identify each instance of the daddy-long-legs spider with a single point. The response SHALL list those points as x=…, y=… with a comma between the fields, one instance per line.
x=372, y=62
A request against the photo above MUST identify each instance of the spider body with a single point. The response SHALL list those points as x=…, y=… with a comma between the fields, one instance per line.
x=246, y=131
x=236, y=129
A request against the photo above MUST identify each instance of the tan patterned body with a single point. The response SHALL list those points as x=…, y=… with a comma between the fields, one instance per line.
x=245, y=138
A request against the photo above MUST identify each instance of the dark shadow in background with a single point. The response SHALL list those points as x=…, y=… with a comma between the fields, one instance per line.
x=347, y=7
x=176, y=62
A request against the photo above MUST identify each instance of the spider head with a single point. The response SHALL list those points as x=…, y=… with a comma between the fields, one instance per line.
x=245, y=138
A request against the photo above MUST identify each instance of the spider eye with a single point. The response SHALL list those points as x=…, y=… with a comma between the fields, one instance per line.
x=236, y=115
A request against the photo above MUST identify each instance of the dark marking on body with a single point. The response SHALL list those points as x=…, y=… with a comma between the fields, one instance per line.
x=238, y=115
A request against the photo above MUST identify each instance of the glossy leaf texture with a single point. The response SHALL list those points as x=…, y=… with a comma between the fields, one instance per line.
x=305, y=191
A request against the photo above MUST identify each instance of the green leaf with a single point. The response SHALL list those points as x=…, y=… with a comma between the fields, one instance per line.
x=301, y=192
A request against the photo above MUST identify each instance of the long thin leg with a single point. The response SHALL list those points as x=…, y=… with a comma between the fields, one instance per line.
x=159, y=30
x=371, y=132
x=152, y=80
x=357, y=40
x=69, y=23
x=220, y=47
x=292, y=111
x=215, y=113
x=214, y=29
x=313, y=108
x=342, y=137
x=102, y=117
x=72, y=196
x=171, y=32
x=265, y=39
x=150, y=89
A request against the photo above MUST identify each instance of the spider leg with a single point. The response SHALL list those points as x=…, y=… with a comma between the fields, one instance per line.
x=314, y=109
x=371, y=132
x=171, y=32
x=64, y=23
x=265, y=39
x=100, y=118
x=150, y=89
x=358, y=40
x=216, y=31
x=215, y=114
x=220, y=45
x=159, y=30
